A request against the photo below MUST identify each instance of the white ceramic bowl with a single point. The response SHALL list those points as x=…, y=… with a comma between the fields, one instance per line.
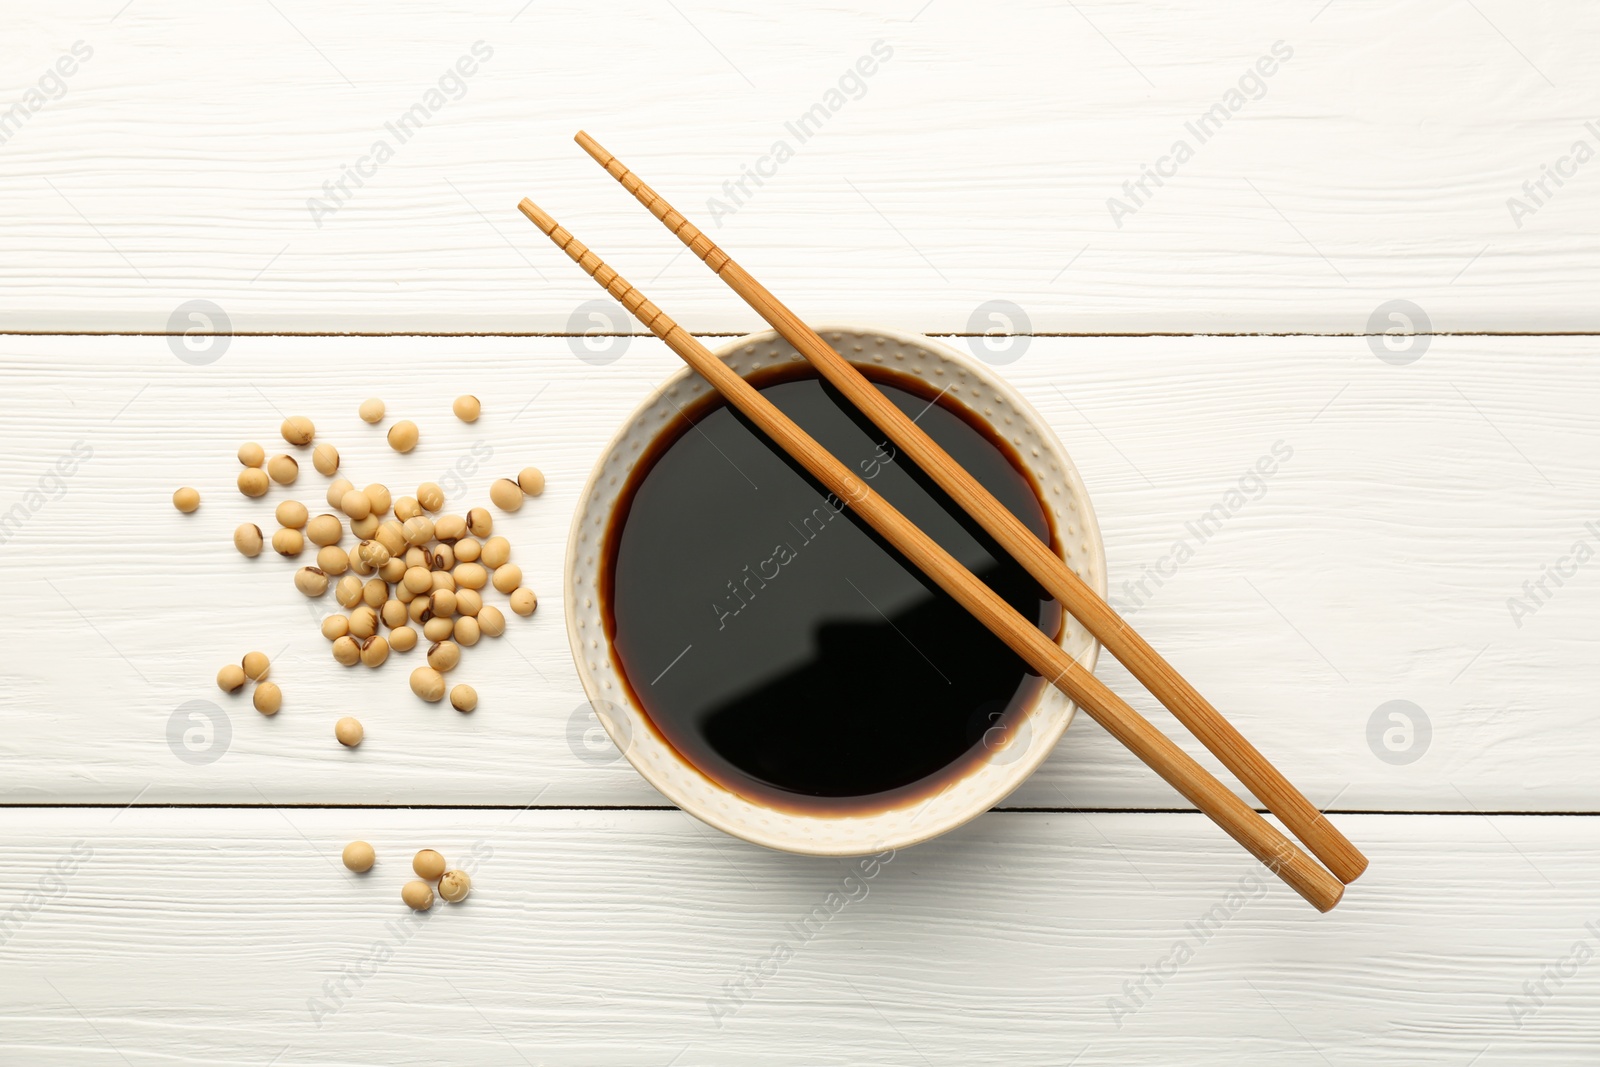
x=1011, y=758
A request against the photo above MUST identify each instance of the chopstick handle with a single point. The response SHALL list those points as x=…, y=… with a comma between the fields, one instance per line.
x=1185, y=702
x=1177, y=767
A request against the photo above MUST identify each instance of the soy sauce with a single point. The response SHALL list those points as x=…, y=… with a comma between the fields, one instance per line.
x=782, y=647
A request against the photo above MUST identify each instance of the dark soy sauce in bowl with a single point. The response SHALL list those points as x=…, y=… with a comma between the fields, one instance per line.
x=777, y=643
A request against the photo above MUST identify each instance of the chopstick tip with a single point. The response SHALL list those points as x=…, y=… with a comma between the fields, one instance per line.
x=537, y=215
x=591, y=146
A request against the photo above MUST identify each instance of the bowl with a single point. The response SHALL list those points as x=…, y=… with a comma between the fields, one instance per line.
x=1010, y=759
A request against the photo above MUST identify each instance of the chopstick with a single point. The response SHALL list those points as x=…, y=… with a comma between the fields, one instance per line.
x=1163, y=681
x=1177, y=767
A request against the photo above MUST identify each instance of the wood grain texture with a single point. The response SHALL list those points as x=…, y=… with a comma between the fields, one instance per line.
x=609, y=937
x=976, y=161
x=1374, y=565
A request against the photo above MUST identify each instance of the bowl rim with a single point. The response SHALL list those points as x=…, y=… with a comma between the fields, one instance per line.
x=621, y=734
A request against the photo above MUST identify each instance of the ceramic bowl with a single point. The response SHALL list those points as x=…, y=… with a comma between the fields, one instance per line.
x=1011, y=758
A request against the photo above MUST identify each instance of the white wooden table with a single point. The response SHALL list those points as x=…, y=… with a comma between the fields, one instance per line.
x=1428, y=543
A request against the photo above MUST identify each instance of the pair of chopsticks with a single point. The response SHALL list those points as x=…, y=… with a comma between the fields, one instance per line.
x=1321, y=886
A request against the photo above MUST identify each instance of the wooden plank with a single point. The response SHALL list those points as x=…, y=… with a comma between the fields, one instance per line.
x=1374, y=566
x=981, y=157
x=234, y=937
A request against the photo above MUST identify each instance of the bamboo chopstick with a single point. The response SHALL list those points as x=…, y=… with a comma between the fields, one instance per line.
x=1076, y=597
x=1177, y=767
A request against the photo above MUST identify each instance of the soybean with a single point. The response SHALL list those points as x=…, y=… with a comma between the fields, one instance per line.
x=496, y=551
x=391, y=535
x=491, y=621
x=428, y=864
x=332, y=559
x=359, y=857
x=468, y=601
x=356, y=504
x=428, y=684
x=402, y=639
x=267, y=698
x=349, y=733
x=337, y=490
x=455, y=885
x=508, y=579
x=531, y=480
x=363, y=622
x=325, y=530
x=231, y=679
x=467, y=408
x=466, y=631
x=403, y=436
x=449, y=527
x=505, y=494
x=335, y=626
x=418, y=895
x=326, y=459
x=252, y=454
x=297, y=430
x=365, y=528
x=186, y=499
x=523, y=601
x=253, y=482
x=283, y=469
x=288, y=542
x=479, y=522
x=430, y=496
x=347, y=650
x=444, y=655
x=371, y=410
x=374, y=650
x=247, y=539
x=312, y=581
x=467, y=550
x=378, y=495
x=438, y=629
x=256, y=666
x=407, y=508
x=471, y=575
x=393, y=614
x=291, y=513
x=463, y=698
x=418, y=531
